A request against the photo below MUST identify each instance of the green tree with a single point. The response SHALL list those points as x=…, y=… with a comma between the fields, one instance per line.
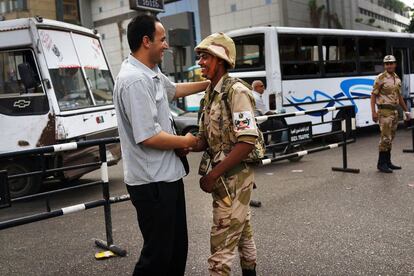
x=410, y=28
x=315, y=13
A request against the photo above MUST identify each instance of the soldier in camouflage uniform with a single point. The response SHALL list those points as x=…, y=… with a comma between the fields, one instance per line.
x=386, y=95
x=228, y=133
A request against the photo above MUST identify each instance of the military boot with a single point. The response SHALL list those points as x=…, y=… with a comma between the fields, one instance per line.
x=249, y=272
x=382, y=163
x=389, y=164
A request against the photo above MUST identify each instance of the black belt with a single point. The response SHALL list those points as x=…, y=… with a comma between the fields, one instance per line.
x=387, y=106
x=235, y=170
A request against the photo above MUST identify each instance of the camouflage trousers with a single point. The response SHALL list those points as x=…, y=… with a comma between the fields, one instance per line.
x=231, y=225
x=388, y=122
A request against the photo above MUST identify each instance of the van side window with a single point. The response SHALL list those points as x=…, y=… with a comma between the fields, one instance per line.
x=371, y=53
x=339, y=55
x=18, y=74
x=250, y=53
x=299, y=56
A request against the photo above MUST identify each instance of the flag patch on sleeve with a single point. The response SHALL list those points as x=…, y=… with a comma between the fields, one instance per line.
x=243, y=120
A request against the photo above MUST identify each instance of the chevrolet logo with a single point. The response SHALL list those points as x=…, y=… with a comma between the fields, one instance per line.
x=21, y=103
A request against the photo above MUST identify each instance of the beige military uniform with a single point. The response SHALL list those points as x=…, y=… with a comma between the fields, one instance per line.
x=387, y=88
x=222, y=129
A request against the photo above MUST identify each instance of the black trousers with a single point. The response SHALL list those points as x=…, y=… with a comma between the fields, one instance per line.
x=162, y=220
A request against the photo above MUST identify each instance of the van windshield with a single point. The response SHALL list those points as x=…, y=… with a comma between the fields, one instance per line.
x=70, y=88
x=78, y=69
x=101, y=84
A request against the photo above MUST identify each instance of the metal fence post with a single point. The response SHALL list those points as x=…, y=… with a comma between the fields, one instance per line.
x=108, y=245
x=347, y=124
x=4, y=190
x=412, y=140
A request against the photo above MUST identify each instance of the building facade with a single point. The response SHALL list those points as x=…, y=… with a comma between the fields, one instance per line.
x=196, y=19
x=353, y=14
x=111, y=19
x=63, y=10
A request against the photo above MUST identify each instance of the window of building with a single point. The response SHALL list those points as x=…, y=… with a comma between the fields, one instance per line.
x=250, y=52
x=71, y=11
x=12, y=5
x=371, y=53
x=339, y=55
x=299, y=56
x=382, y=18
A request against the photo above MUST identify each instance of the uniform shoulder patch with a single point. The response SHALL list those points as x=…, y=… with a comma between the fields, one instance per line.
x=243, y=120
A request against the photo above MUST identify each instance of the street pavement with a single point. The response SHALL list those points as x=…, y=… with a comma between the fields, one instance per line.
x=313, y=221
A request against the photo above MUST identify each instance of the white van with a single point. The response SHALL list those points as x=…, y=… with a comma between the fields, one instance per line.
x=55, y=87
x=305, y=68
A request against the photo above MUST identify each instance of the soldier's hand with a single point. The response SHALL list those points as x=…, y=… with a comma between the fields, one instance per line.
x=191, y=140
x=375, y=116
x=407, y=116
x=207, y=183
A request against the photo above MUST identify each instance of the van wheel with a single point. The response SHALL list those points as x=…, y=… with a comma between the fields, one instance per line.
x=23, y=185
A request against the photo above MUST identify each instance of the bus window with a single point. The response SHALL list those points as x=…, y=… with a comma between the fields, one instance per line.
x=250, y=53
x=412, y=61
x=371, y=53
x=299, y=57
x=339, y=55
x=10, y=80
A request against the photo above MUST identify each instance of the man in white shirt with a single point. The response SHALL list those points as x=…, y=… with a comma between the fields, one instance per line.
x=258, y=90
x=153, y=171
x=261, y=109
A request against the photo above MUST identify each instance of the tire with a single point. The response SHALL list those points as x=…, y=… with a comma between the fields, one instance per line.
x=21, y=186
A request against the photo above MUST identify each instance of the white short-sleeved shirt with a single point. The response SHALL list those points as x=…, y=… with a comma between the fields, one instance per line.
x=261, y=108
x=141, y=97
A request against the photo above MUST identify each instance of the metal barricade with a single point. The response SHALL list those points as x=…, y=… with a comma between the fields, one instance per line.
x=346, y=121
x=106, y=201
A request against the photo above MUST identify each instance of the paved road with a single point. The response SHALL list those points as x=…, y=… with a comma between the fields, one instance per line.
x=313, y=221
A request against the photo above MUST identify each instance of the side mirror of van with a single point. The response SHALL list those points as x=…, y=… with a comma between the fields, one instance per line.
x=27, y=76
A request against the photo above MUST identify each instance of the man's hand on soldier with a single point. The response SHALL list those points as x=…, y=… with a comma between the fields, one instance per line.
x=207, y=182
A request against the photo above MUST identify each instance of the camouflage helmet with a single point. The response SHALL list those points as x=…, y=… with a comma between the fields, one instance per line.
x=219, y=45
x=389, y=58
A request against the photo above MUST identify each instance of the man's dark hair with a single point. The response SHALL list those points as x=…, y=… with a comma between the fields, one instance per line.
x=140, y=26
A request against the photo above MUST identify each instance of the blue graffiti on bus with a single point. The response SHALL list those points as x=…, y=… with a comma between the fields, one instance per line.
x=351, y=89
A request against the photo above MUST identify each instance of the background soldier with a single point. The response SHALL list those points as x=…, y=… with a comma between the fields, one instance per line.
x=386, y=94
x=228, y=132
